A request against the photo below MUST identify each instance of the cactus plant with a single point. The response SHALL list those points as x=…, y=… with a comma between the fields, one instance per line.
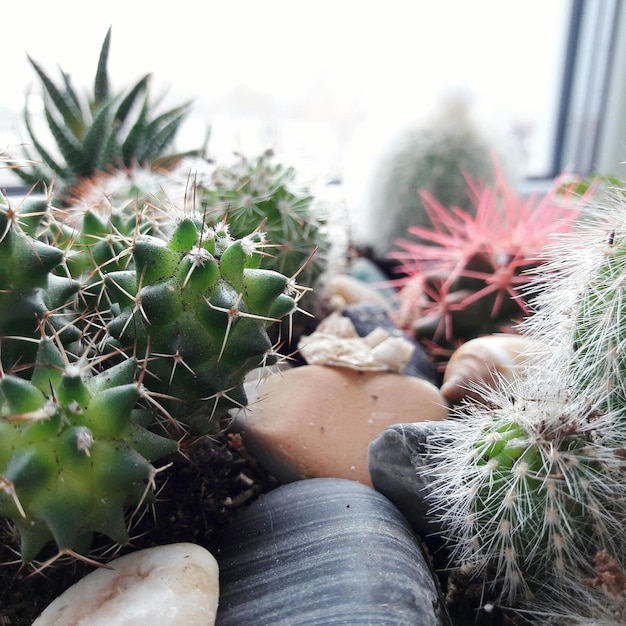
x=72, y=457
x=103, y=131
x=31, y=294
x=530, y=489
x=200, y=304
x=434, y=155
x=581, y=311
x=466, y=276
x=255, y=191
x=526, y=490
x=113, y=328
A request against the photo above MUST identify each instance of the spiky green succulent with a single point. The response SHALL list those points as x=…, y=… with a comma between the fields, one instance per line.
x=581, y=311
x=255, y=192
x=100, y=132
x=31, y=295
x=198, y=306
x=72, y=456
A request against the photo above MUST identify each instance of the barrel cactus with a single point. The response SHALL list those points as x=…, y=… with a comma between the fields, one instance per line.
x=197, y=306
x=259, y=191
x=581, y=312
x=526, y=491
x=467, y=275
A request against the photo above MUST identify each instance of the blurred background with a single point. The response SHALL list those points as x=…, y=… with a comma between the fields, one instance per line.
x=327, y=84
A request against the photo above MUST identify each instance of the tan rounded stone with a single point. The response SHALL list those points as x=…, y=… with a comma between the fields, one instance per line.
x=480, y=362
x=318, y=421
x=343, y=290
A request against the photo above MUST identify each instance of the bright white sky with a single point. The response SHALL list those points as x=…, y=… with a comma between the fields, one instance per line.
x=346, y=59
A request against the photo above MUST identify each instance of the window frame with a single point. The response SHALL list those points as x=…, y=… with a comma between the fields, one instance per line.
x=590, y=129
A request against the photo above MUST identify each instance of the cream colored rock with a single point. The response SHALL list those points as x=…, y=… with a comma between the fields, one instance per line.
x=171, y=585
x=318, y=421
x=479, y=362
x=336, y=342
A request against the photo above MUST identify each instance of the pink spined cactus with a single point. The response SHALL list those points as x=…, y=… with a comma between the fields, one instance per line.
x=465, y=277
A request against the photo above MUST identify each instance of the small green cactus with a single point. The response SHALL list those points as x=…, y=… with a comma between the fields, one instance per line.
x=257, y=192
x=198, y=305
x=31, y=295
x=526, y=493
x=583, y=310
x=72, y=457
x=432, y=156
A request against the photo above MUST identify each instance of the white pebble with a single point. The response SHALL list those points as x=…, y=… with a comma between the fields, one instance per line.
x=170, y=585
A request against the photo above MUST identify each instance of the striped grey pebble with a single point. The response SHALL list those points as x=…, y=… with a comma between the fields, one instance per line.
x=399, y=465
x=324, y=551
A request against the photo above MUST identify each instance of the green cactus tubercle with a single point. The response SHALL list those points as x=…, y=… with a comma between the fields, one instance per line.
x=30, y=294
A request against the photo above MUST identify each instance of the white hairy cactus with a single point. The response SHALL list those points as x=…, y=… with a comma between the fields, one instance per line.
x=524, y=492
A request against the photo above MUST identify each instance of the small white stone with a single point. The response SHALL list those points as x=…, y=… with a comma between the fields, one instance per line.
x=336, y=342
x=171, y=585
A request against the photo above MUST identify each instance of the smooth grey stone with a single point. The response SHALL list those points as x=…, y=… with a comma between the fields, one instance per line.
x=324, y=551
x=367, y=316
x=398, y=463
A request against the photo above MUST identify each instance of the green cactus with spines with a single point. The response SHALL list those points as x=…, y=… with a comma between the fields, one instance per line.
x=31, y=296
x=72, y=457
x=525, y=490
x=200, y=305
x=114, y=326
x=255, y=192
x=581, y=311
x=598, y=365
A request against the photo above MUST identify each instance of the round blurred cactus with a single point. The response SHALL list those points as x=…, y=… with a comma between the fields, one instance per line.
x=433, y=156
